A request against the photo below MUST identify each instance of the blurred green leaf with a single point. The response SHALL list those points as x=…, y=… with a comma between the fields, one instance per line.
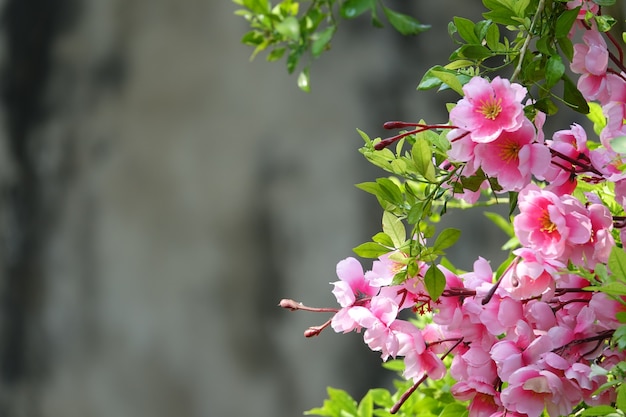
x=403, y=23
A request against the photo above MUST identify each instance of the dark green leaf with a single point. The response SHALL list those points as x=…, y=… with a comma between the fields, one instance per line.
x=565, y=22
x=547, y=106
x=390, y=191
x=321, y=40
x=566, y=47
x=513, y=195
x=554, y=70
x=353, y=8
x=429, y=80
x=292, y=60
x=403, y=23
x=493, y=37
x=573, y=98
x=435, y=282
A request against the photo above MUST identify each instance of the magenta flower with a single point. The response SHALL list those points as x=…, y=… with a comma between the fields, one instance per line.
x=488, y=109
x=514, y=157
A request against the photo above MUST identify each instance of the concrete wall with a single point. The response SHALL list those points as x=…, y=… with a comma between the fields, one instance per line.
x=161, y=194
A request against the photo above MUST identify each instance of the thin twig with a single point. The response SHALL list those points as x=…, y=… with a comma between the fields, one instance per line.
x=527, y=41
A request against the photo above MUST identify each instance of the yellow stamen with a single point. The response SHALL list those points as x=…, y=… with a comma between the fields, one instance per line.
x=546, y=223
x=509, y=151
x=491, y=108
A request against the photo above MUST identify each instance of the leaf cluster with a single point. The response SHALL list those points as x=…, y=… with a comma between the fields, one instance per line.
x=295, y=29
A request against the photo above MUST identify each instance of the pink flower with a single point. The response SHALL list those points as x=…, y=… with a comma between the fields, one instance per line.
x=351, y=289
x=572, y=144
x=419, y=360
x=587, y=6
x=549, y=224
x=514, y=157
x=532, y=389
x=488, y=109
x=532, y=276
x=592, y=57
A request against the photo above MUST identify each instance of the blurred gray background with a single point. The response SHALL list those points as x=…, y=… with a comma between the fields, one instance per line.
x=160, y=194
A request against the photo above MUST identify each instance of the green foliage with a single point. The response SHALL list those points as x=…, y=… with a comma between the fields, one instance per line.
x=296, y=29
x=431, y=399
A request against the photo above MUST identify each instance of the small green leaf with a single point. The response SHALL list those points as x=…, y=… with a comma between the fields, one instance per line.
x=303, y=80
x=465, y=28
x=446, y=238
x=321, y=40
x=477, y=52
x=403, y=23
x=597, y=117
x=454, y=410
x=423, y=158
x=435, y=282
x=383, y=239
x=289, y=28
x=276, y=54
x=605, y=22
x=354, y=8
x=394, y=228
x=616, y=289
x=620, y=402
x=554, y=70
x=366, y=406
x=565, y=22
x=370, y=250
x=390, y=191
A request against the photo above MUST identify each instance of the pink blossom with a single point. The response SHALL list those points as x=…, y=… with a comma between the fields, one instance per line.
x=586, y=6
x=572, y=144
x=351, y=289
x=531, y=276
x=488, y=109
x=592, y=57
x=549, y=224
x=514, y=157
x=532, y=389
x=419, y=360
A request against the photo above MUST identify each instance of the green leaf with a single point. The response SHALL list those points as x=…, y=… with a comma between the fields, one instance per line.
x=289, y=28
x=304, y=81
x=403, y=23
x=383, y=239
x=465, y=28
x=370, y=250
x=617, y=263
x=620, y=402
x=370, y=187
x=423, y=158
x=390, y=191
x=619, y=144
x=366, y=406
x=597, y=117
x=354, y=8
x=446, y=238
x=394, y=228
x=565, y=22
x=493, y=37
x=554, y=70
x=454, y=410
x=604, y=3
x=258, y=6
x=450, y=79
x=276, y=54
x=435, y=282
x=321, y=40
x=573, y=98
x=476, y=52
x=616, y=289
x=599, y=410
x=605, y=22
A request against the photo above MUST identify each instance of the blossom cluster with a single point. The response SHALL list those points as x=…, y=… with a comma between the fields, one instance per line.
x=535, y=339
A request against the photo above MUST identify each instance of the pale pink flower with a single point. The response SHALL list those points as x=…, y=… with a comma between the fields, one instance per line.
x=488, y=109
x=419, y=360
x=531, y=276
x=379, y=320
x=351, y=289
x=514, y=157
x=549, y=224
x=532, y=389
x=592, y=57
x=599, y=246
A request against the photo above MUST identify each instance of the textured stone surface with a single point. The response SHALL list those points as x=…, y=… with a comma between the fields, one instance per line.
x=185, y=192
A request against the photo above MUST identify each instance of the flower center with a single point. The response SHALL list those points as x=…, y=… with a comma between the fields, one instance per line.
x=546, y=224
x=509, y=151
x=491, y=108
